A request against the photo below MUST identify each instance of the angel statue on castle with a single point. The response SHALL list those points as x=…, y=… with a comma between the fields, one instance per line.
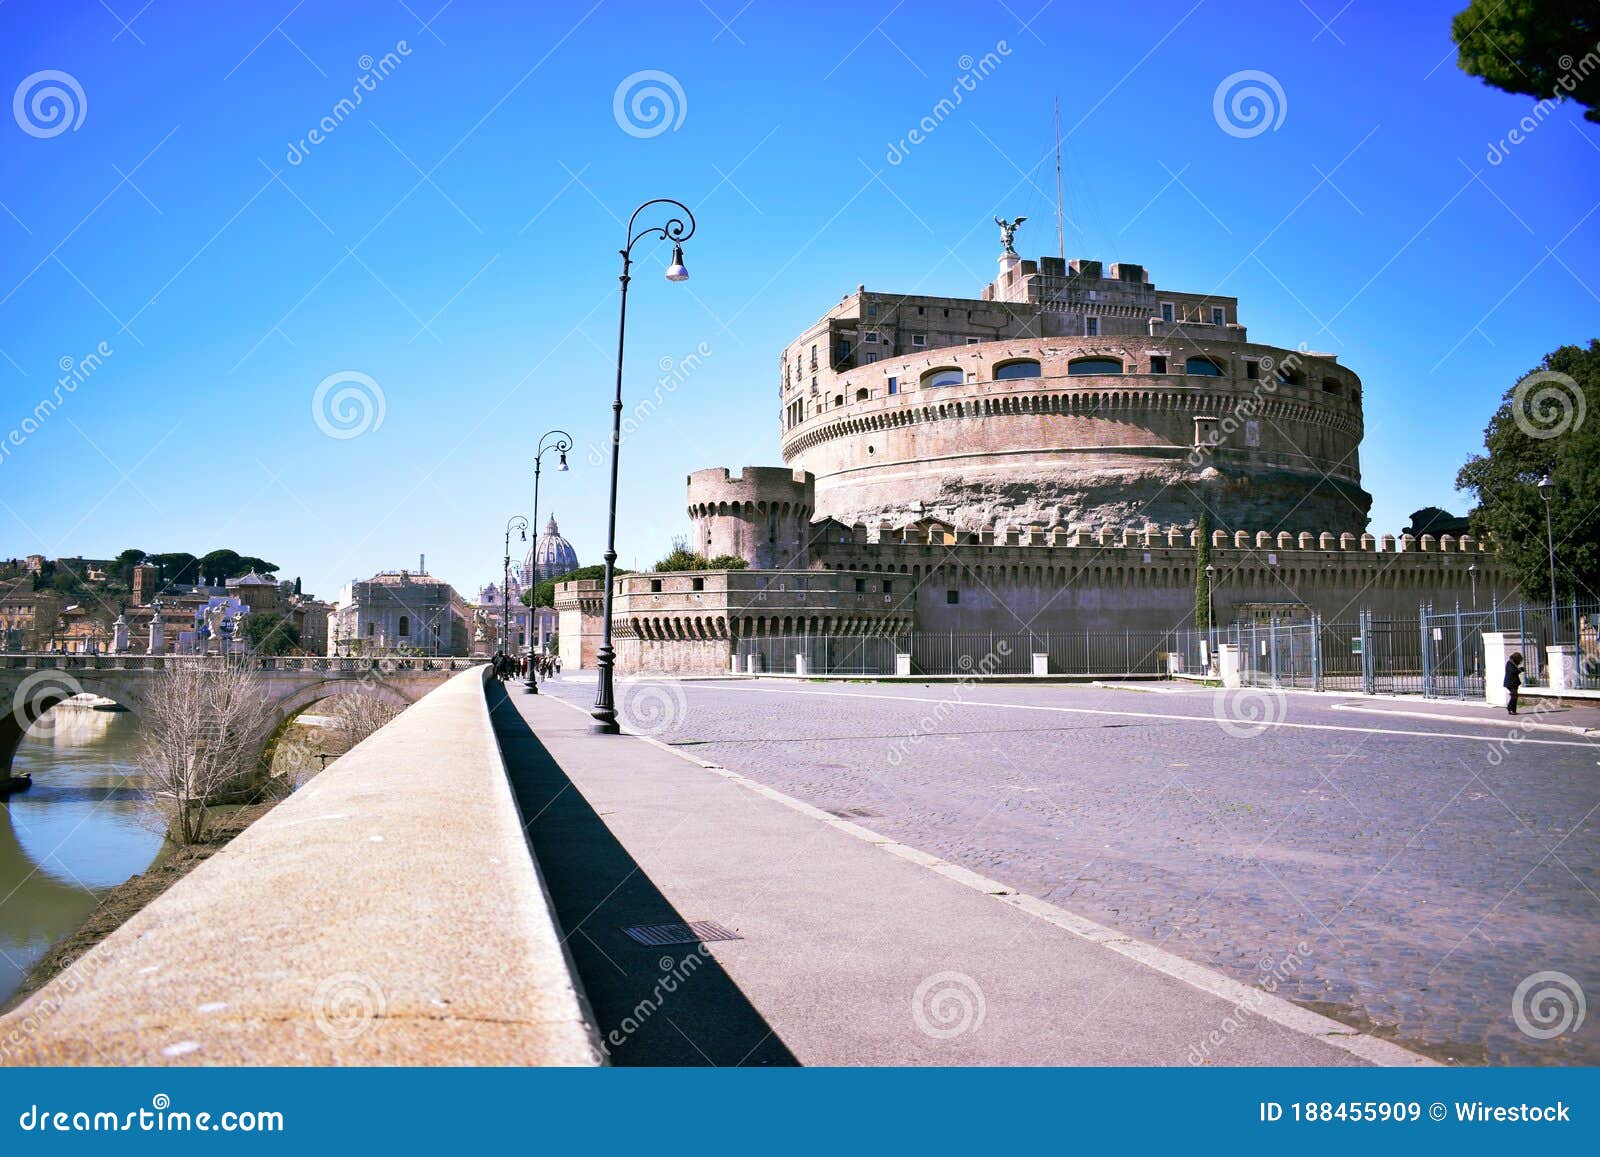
x=1008, y=233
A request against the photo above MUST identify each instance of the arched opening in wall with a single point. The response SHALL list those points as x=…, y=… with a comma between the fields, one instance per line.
x=1020, y=368
x=1081, y=366
x=405, y=623
x=1290, y=375
x=838, y=399
x=862, y=394
x=1332, y=386
x=1203, y=367
x=943, y=376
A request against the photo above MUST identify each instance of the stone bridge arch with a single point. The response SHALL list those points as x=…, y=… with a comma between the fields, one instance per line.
x=292, y=684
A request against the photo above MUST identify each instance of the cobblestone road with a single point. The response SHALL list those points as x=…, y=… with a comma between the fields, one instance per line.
x=1404, y=874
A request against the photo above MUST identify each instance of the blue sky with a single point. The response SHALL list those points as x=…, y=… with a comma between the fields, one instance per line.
x=454, y=239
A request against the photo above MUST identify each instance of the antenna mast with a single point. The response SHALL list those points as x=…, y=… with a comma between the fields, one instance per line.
x=1061, y=236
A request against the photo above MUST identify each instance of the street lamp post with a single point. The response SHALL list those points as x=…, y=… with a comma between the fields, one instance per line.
x=1473, y=571
x=1211, y=615
x=562, y=443
x=519, y=524
x=676, y=231
x=1547, y=489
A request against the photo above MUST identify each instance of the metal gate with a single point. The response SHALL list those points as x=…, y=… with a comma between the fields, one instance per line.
x=1280, y=654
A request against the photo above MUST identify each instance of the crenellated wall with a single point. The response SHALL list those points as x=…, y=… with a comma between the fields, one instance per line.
x=760, y=514
x=1142, y=579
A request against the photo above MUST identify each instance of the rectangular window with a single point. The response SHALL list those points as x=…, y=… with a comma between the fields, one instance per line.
x=872, y=337
x=973, y=340
x=1091, y=327
x=1218, y=315
x=919, y=340
x=921, y=311
x=1252, y=370
x=1158, y=363
x=952, y=597
x=699, y=584
x=655, y=586
x=1167, y=312
x=861, y=586
x=894, y=385
x=872, y=311
x=871, y=358
x=888, y=587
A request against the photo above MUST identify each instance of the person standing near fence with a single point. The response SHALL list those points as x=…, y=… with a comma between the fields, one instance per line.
x=1513, y=681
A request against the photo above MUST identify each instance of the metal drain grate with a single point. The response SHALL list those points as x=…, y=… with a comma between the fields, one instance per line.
x=694, y=932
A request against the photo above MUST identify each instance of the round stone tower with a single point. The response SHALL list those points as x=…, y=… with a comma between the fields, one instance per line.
x=762, y=514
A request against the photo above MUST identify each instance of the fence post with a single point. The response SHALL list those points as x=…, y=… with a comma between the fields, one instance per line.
x=1368, y=683
x=1316, y=652
x=1461, y=666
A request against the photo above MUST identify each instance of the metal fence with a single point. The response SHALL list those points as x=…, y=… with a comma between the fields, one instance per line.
x=1451, y=642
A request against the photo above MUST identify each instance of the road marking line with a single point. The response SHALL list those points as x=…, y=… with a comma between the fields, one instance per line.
x=1253, y=723
x=1247, y=999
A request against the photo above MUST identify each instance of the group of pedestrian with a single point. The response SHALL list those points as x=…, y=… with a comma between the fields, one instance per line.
x=506, y=667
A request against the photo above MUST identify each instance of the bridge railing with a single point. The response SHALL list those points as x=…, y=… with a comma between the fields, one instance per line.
x=382, y=663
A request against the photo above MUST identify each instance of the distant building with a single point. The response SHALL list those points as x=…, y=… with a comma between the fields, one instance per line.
x=400, y=611
x=549, y=556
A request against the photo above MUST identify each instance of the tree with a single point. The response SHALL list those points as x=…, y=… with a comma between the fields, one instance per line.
x=357, y=716
x=680, y=557
x=1202, y=581
x=204, y=731
x=1544, y=424
x=179, y=568
x=1539, y=48
x=544, y=594
x=297, y=589
x=727, y=562
x=269, y=633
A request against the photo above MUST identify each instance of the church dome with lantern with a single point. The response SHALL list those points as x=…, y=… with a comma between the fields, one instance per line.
x=550, y=556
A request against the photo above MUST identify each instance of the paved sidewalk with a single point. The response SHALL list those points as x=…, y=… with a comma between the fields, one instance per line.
x=853, y=949
x=1533, y=712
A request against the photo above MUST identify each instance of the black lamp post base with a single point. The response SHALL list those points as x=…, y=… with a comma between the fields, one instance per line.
x=530, y=687
x=604, y=724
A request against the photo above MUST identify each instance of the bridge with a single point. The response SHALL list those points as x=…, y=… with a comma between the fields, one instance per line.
x=31, y=684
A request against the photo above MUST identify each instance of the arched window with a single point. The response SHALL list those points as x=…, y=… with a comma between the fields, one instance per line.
x=1202, y=367
x=1291, y=376
x=946, y=376
x=1094, y=366
x=1026, y=368
x=862, y=395
x=1332, y=386
x=405, y=626
x=838, y=399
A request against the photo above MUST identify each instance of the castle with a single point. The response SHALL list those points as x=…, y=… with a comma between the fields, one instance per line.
x=1034, y=460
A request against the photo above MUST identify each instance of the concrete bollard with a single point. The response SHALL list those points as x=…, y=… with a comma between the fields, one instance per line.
x=1563, y=660
x=1498, y=646
x=1041, y=663
x=1228, y=660
x=733, y=665
x=1174, y=663
x=802, y=665
x=902, y=665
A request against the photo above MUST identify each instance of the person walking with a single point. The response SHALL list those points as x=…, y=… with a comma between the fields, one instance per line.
x=1513, y=681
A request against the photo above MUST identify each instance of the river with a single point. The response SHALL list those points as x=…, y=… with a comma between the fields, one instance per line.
x=79, y=831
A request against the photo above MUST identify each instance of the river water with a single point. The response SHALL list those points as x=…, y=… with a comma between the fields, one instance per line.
x=80, y=830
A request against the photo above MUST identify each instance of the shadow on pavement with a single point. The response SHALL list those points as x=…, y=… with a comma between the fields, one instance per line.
x=664, y=1005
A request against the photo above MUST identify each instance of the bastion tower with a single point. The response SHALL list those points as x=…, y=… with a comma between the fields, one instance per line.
x=762, y=514
x=1069, y=394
